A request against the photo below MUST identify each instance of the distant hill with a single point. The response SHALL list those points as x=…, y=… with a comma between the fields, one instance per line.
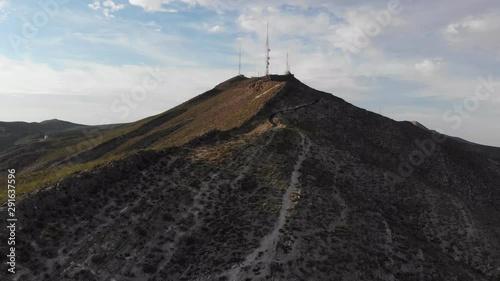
x=419, y=125
x=257, y=179
x=26, y=146
x=34, y=127
x=59, y=124
x=12, y=132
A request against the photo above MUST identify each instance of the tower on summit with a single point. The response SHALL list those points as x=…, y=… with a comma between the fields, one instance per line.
x=287, y=63
x=268, y=50
x=239, y=65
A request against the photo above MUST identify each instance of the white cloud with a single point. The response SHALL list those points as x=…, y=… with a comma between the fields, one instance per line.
x=325, y=29
x=108, y=7
x=471, y=24
x=41, y=78
x=148, y=45
x=3, y=10
x=217, y=5
x=428, y=67
x=153, y=5
x=153, y=25
x=401, y=61
x=215, y=29
x=96, y=5
x=475, y=33
x=112, y=6
x=84, y=92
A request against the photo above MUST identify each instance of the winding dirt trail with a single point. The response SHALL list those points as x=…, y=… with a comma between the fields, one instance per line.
x=271, y=117
x=266, y=252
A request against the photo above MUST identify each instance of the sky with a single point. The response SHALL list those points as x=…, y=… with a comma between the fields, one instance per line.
x=115, y=61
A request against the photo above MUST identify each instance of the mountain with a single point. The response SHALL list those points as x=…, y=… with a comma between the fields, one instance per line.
x=418, y=124
x=262, y=179
x=32, y=146
x=455, y=138
x=12, y=132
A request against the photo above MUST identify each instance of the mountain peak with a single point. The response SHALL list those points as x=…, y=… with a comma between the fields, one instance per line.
x=260, y=178
x=59, y=122
x=419, y=125
x=51, y=121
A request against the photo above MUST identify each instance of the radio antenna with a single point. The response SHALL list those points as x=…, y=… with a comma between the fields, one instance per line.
x=239, y=65
x=287, y=62
x=268, y=50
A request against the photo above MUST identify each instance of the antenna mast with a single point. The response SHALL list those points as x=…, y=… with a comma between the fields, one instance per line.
x=287, y=62
x=268, y=50
x=239, y=66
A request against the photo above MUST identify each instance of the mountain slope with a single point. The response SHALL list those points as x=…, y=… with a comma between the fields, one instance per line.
x=269, y=179
x=227, y=106
x=22, y=132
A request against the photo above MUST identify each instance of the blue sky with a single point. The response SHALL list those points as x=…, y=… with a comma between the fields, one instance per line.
x=96, y=62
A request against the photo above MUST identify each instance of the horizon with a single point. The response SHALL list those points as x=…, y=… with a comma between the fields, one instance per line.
x=111, y=62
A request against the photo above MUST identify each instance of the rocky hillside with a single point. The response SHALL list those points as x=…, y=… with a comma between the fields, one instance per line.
x=229, y=105
x=266, y=179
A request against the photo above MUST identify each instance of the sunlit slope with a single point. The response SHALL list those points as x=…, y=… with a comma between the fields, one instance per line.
x=229, y=105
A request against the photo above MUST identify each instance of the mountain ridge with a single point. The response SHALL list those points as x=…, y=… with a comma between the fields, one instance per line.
x=267, y=178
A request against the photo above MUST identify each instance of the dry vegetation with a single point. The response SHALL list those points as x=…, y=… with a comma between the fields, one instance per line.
x=307, y=199
x=224, y=108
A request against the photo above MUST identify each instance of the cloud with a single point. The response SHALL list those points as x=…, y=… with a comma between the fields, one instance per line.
x=470, y=24
x=475, y=33
x=96, y=5
x=153, y=25
x=401, y=66
x=344, y=32
x=220, y=6
x=153, y=5
x=209, y=27
x=108, y=7
x=84, y=91
x=149, y=45
x=3, y=10
x=215, y=29
x=428, y=67
x=112, y=6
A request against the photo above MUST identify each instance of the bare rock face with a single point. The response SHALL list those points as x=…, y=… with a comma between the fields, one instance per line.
x=309, y=188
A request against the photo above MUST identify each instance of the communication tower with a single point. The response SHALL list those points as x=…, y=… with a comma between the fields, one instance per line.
x=268, y=50
x=287, y=63
x=239, y=65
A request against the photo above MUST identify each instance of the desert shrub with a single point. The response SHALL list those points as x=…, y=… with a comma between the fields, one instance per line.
x=249, y=183
x=167, y=217
x=148, y=268
x=97, y=259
